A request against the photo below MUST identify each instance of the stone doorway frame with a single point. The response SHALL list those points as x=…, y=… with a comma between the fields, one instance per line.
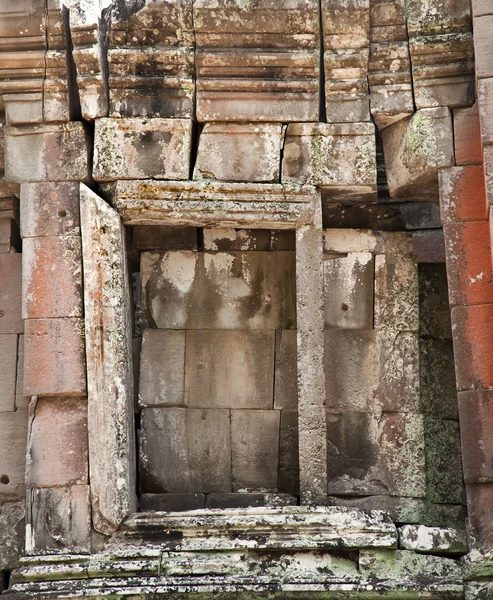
x=108, y=319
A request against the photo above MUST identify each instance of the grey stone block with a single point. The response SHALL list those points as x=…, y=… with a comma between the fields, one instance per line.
x=255, y=449
x=160, y=237
x=8, y=368
x=21, y=402
x=349, y=286
x=438, y=393
x=219, y=290
x=162, y=368
x=226, y=240
x=432, y=540
x=282, y=240
x=244, y=500
x=185, y=450
x=289, y=466
x=171, y=502
x=13, y=442
x=229, y=369
x=285, y=379
x=12, y=526
x=434, y=307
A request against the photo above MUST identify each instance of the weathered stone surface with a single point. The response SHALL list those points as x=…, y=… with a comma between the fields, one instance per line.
x=396, y=564
x=12, y=524
x=415, y=149
x=20, y=400
x=48, y=152
x=434, y=309
x=349, y=283
x=462, y=194
x=185, y=450
x=227, y=240
x=401, y=510
x=346, y=29
x=54, y=357
x=253, y=290
x=109, y=364
x=382, y=373
x=255, y=449
x=58, y=520
x=49, y=209
x=312, y=421
x=57, y=453
x=151, y=60
x=285, y=377
x=158, y=237
x=364, y=240
x=396, y=293
x=438, y=395
x=443, y=461
x=432, y=540
x=13, y=437
x=246, y=500
x=374, y=454
x=257, y=63
x=10, y=293
x=229, y=369
x=142, y=149
x=240, y=152
x=340, y=158
x=475, y=408
x=8, y=369
x=171, y=502
x=429, y=246
x=52, y=277
x=289, y=466
x=467, y=135
x=162, y=368
x=217, y=204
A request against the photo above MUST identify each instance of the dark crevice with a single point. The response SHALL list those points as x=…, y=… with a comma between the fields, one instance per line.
x=194, y=146
x=322, y=108
x=283, y=141
x=75, y=111
x=104, y=25
x=200, y=238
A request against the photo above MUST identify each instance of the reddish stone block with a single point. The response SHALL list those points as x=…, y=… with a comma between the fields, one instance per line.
x=49, y=209
x=472, y=330
x=480, y=515
x=57, y=452
x=51, y=277
x=54, y=358
x=469, y=270
x=10, y=293
x=462, y=194
x=476, y=433
x=467, y=136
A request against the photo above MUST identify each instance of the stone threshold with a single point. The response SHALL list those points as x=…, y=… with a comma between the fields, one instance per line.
x=290, y=552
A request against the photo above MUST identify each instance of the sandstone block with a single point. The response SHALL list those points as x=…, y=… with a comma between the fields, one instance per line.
x=434, y=309
x=415, y=149
x=171, y=502
x=432, y=540
x=255, y=449
x=462, y=194
x=52, y=277
x=472, y=328
x=349, y=283
x=49, y=209
x=12, y=524
x=10, y=293
x=185, y=450
x=286, y=370
x=438, y=395
x=480, y=515
x=20, y=400
x=443, y=461
x=485, y=101
x=429, y=246
x=469, y=271
x=340, y=158
x=246, y=500
x=54, y=358
x=475, y=409
x=57, y=451
x=289, y=468
x=229, y=369
x=254, y=290
x=364, y=240
x=142, y=149
x=58, y=520
x=8, y=369
x=47, y=152
x=13, y=438
x=467, y=135
x=282, y=239
x=240, y=152
x=483, y=45
x=375, y=454
x=162, y=368
x=159, y=237
x=408, y=566
x=396, y=293
x=226, y=240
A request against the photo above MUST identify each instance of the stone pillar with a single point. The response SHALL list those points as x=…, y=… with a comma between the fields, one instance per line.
x=311, y=379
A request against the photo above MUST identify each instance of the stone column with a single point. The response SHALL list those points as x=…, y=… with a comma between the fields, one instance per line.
x=311, y=379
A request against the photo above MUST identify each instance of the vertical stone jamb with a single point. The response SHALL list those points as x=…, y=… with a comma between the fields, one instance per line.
x=108, y=329
x=311, y=379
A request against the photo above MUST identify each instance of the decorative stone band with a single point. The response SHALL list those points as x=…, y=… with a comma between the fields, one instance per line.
x=275, y=551
x=191, y=203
